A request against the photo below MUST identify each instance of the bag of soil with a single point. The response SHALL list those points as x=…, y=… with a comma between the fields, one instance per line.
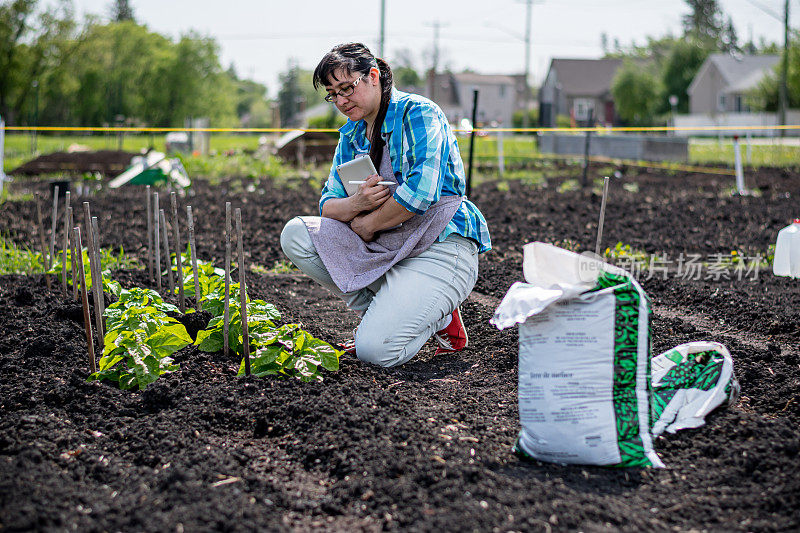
x=689, y=381
x=584, y=360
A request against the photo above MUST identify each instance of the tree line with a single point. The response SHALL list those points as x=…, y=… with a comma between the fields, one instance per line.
x=55, y=70
x=666, y=66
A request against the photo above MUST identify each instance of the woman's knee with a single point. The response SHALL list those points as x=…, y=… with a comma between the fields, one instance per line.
x=293, y=236
x=380, y=350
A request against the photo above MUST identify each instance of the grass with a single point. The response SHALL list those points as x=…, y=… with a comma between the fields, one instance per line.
x=18, y=145
x=218, y=166
x=18, y=260
x=765, y=153
x=230, y=155
x=15, y=259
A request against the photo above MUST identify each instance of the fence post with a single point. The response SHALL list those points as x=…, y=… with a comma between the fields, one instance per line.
x=584, y=180
x=737, y=154
x=2, y=152
x=472, y=140
x=501, y=159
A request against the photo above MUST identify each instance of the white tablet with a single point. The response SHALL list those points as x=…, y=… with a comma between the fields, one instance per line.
x=359, y=169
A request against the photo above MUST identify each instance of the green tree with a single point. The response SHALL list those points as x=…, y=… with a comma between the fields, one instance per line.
x=636, y=92
x=678, y=71
x=121, y=11
x=199, y=86
x=704, y=22
x=729, y=40
x=33, y=43
x=765, y=96
x=127, y=71
x=404, y=73
x=296, y=94
x=290, y=95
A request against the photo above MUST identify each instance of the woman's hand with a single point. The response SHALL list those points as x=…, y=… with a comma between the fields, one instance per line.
x=359, y=225
x=370, y=195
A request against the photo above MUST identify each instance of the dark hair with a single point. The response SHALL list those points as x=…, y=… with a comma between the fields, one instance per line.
x=355, y=57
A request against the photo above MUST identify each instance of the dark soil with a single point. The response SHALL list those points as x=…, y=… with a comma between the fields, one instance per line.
x=423, y=447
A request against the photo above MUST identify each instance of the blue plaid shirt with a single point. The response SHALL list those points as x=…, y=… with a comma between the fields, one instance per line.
x=425, y=159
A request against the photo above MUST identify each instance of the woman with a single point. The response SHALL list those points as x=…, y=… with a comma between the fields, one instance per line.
x=403, y=256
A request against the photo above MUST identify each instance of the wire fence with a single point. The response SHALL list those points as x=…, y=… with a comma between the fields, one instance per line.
x=502, y=149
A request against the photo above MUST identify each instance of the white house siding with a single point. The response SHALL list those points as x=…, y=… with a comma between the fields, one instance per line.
x=495, y=101
x=704, y=95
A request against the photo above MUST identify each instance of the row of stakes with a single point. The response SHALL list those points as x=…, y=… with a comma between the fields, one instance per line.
x=157, y=234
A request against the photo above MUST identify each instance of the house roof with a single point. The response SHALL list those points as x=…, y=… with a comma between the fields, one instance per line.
x=484, y=79
x=585, y=77
x=447, y=84
x=740, y=73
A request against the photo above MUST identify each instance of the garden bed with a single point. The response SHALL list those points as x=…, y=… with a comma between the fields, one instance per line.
x=423, y=447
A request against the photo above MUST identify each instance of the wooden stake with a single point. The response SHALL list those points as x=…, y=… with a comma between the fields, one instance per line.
x=602, y=218
x=165, y=239
x=73, y=256
x=157, y=241
x=97, y=279
x=243, y=295
x=45, y=257
x=178, y=245
x=193, y=252
x=148, y=200
x=227, y=312
x=98, y=264
x=54, y=221
x=85, y=301
x=66, y=245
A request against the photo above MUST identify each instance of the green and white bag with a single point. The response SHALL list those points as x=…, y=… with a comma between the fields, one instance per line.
x=584, y=360
x=690, y=381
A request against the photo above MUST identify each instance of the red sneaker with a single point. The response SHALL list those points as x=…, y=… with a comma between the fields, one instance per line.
x=453, y=338
x=349, y=346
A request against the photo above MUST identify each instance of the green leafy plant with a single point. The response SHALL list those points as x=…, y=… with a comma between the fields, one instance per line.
x=17, y=260
x=140, y=338
x=285, y=351
x=290, y=351
x=569, y=185
x=260, y=316
x=622, y=251
x=208, y=276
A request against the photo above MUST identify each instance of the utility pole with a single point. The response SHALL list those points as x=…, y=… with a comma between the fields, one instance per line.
x=782, y=95
x=2, y=152
x=528, y=11
x=382, y=35
x=436, y=27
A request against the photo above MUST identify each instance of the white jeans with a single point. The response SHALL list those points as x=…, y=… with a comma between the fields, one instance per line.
x=403, y=308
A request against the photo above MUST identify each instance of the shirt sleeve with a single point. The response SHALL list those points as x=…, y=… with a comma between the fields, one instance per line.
x=333, y=186
x=425, y=146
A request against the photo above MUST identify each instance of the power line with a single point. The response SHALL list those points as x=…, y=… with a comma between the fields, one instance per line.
x=765, y=9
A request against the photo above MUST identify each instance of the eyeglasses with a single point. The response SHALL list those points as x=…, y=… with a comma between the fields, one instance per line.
x=345, y=91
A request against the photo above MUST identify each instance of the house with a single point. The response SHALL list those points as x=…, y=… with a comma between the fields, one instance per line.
x=499, y=96
x=578, y=88
x=718, y=97
x=724, y=80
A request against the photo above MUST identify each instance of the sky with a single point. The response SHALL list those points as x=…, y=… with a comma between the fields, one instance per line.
x=260, y=38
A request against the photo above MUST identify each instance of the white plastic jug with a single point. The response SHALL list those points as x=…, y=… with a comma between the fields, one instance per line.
x=787, y=251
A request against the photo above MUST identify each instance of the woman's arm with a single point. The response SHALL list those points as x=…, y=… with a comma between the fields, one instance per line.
x=388, y=215
x=369, y=197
